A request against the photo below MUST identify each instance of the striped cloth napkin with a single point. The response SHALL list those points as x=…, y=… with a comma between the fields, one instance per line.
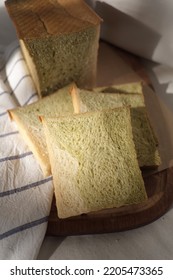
x=25, y=195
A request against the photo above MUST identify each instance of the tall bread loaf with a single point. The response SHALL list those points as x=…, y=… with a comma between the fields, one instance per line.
x=59, y=40
x=93, y=161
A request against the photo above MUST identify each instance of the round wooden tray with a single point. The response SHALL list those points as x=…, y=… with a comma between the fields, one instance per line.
x=159, y=187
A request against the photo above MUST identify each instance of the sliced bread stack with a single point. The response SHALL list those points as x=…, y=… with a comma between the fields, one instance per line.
x=94, y=154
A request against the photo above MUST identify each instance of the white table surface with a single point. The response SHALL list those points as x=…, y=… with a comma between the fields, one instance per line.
x=153, y=241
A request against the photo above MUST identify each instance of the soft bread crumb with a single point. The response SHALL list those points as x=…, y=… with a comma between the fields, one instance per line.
x=93, y=161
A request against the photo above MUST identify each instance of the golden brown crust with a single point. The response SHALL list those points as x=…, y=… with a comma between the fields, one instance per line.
x=54, y=17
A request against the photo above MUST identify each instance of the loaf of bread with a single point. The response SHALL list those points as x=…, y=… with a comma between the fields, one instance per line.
x=144, y=138
x=93, y=161
x=27, y=120
x=59, y=40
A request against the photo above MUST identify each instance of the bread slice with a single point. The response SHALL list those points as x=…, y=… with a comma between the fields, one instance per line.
x=135, y=87
x=145, y=140
x=93, y=161
x=30, y=127
x=59, y=40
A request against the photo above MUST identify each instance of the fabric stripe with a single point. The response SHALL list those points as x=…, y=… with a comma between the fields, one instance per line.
x=11, y=71
x=4, y=113
x=16, y=157
x=26, y=187
x=29, y=99
x=9, y=134
x=4, y=92
x=18, y=83
x=24, y=227
x=9, y=56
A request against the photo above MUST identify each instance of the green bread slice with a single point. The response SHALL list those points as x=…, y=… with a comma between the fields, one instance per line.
x=93, y=161
x=135, y=87
x=30, y=127
x=144, y=138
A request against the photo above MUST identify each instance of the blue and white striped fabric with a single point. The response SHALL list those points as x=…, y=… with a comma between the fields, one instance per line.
x=25, y=195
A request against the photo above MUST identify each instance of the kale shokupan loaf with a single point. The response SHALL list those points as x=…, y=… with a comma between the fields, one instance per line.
x=59, y=40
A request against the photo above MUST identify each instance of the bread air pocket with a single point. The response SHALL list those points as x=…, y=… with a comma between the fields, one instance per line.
x=93, y=161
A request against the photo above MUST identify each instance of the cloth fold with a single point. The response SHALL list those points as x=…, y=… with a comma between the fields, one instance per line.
x=143, y=28
x=25, y=195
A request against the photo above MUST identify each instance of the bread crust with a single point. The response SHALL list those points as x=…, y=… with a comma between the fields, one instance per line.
x=59, y=40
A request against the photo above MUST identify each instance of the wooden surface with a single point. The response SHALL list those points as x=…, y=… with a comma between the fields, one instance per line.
x=159, y=188
x=115, y=67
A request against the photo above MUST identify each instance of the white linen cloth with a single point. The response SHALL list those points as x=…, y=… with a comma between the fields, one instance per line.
x=25, y=195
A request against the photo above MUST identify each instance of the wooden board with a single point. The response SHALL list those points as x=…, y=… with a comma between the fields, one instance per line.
x=120, y=67
x=159, y=188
